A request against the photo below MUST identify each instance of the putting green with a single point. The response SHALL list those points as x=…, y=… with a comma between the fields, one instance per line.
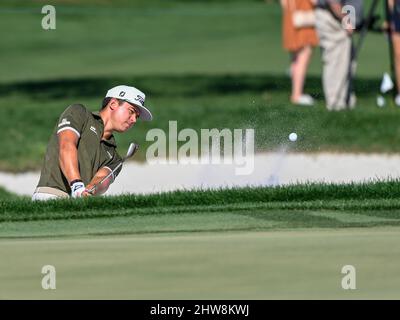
x=300, y=264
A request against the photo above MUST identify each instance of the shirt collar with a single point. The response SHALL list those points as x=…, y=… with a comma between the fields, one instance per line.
x=97, y=115
x=111, y=140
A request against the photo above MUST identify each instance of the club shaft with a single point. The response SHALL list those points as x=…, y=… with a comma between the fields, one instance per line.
x=129, y=154
x=106, y=177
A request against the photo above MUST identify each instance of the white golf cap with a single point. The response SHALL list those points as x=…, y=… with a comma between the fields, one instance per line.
x=133, y=96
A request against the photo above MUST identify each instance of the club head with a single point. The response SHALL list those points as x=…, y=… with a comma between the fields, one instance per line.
x=131, y=150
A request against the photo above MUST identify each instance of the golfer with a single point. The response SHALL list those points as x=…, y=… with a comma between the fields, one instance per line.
x=82, y=149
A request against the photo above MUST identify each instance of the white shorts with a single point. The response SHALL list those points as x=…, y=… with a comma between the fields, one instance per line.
x=38, y=196
x=47, y=193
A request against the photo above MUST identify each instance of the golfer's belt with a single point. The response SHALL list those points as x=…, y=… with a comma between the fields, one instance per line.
x=53, y=191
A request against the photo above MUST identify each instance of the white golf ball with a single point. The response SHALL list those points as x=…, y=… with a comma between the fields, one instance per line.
x=293, y=136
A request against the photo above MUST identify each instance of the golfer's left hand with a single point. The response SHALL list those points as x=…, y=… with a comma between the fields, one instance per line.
x=86, y=193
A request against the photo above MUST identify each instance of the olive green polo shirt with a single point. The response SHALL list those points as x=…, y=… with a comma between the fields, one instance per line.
x=93, y=152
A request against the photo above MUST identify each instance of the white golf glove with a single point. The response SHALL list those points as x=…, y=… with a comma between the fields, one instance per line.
x=77, y=188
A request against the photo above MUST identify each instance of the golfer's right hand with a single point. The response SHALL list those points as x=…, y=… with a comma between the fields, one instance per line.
x=78, y=189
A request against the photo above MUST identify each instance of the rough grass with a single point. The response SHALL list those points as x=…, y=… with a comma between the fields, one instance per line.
x=361, y=197
x=5, y=195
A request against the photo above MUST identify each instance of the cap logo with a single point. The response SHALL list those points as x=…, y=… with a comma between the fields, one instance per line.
x=122, y=93
x=140, y=99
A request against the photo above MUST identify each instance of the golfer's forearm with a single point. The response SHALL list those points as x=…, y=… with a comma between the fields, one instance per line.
x=100, y=188
x=103, y=187
x=68, y=158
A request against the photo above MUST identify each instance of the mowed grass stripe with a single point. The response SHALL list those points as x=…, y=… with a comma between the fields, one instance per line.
x=352, y=217
x=357, y=206
x=169, y=223
x=187, y=222
x=301, y=264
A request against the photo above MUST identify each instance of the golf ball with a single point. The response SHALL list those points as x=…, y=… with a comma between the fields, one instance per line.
x=293, y=136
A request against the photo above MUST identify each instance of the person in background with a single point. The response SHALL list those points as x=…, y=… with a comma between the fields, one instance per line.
x=336, y=47
x=394, y=25
x=299, y=38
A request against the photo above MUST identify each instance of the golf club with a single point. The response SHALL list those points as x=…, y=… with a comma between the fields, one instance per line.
x=133, y=147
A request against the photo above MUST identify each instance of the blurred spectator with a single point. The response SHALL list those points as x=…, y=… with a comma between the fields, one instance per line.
x=299, y=36
x=336, y=45
x=394, y=17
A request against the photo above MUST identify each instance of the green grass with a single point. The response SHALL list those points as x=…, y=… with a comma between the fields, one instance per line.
x=238, y=209
x=5, y=195
x=29, y=112
x=192, y=220
x=167, y=37
x=248, y=243
x=197, y=62
x=205, y=64
x=183, y=37
x=301, y=264
x=278, y=203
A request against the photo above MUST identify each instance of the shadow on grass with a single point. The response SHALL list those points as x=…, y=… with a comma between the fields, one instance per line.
x=176, y=85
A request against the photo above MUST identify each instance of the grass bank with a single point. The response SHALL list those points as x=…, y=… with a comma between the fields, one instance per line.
x=300, y=206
